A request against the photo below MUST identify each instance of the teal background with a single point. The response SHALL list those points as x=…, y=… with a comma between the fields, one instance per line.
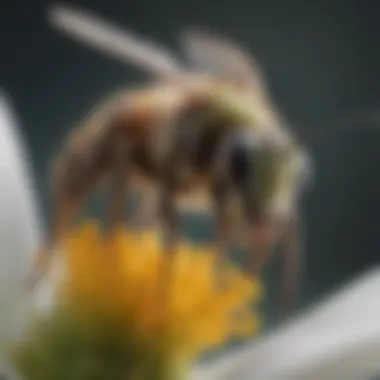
x=321, y=60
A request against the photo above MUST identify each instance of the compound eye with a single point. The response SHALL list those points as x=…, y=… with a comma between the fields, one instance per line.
x=236, y=157
x=239, y=163
x=243, y=151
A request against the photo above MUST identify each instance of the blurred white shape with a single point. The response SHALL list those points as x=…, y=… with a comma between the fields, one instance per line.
x=338, y=340
x=20, y=229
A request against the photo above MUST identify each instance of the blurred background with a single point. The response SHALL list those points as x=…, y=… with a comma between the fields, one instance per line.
x=321, y=61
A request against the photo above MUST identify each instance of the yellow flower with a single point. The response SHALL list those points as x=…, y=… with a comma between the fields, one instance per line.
x=122, y=275
x=111, y=296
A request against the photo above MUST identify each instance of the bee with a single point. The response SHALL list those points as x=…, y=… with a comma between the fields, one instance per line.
x=211, y=125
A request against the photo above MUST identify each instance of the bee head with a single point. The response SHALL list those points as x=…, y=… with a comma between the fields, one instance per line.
x=268, y=172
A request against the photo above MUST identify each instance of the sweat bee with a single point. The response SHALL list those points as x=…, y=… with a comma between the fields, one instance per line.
x=211, y=124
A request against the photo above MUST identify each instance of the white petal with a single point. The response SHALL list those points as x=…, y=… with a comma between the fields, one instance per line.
x=338, y=340
x=20, y=228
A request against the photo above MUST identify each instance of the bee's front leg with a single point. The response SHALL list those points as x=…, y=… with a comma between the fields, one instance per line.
x=220, y=195
x=261, y=243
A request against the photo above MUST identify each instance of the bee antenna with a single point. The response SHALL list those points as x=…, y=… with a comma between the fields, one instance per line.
x=349, y=122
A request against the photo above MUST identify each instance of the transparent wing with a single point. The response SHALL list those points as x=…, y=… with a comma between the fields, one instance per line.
x=217, y=55
x=87, y=28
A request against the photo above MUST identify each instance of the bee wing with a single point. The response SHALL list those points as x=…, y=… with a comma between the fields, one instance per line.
x=87, y=28
x=217, y=55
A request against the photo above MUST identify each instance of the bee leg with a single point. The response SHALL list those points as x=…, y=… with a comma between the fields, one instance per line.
x=167, y=182
x=116, y=198
x=147, y=213
x=238, y=228
x=291, y=254
x=222, y=233
x=169, y=219
x=261, y=244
